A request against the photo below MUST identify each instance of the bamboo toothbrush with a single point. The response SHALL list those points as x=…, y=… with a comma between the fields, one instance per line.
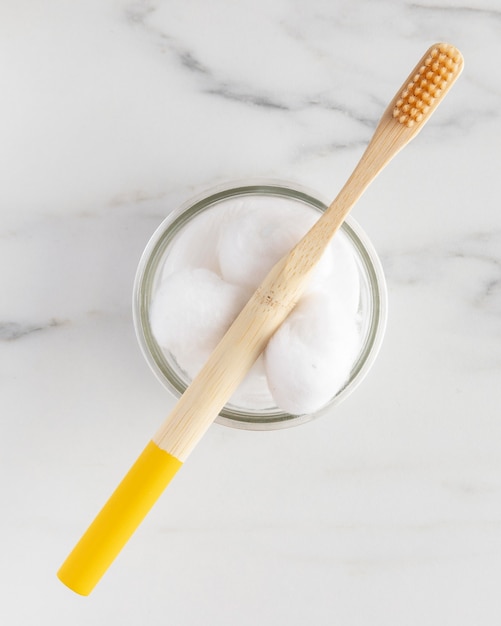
x=248, y=335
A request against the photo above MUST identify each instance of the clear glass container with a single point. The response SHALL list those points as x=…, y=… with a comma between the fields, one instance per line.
x=372, y=300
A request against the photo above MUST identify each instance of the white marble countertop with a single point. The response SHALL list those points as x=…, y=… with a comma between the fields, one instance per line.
x=386, y=512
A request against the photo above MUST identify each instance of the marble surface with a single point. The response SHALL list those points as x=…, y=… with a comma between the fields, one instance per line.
x=386, y=512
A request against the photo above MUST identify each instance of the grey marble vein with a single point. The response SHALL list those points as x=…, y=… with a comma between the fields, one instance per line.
x=11, y=331
x=481, y=288
x=457, y=10
x=232, y=90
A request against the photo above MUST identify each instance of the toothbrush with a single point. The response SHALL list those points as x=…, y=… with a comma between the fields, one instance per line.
x=248, y=335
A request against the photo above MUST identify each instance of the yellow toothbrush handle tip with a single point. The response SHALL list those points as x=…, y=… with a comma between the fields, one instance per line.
x=118, y=519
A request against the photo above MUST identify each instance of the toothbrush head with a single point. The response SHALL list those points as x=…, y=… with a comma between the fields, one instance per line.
x=428, y=84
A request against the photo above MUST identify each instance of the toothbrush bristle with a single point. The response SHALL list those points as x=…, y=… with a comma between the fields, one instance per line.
x=438, y=70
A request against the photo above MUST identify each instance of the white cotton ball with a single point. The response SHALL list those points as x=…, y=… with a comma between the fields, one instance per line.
x=190, y=313
x=342, y=278
x=254, y=238
x=320, y=279
x=309, y=358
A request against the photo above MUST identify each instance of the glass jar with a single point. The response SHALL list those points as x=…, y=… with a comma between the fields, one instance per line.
x=372, y=301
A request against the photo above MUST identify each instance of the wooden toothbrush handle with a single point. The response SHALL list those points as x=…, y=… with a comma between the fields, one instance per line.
x=248, y=335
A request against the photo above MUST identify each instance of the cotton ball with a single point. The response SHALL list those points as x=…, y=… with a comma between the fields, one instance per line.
x=309, y=358
x=191, y=311
x=321, y=278
x=254, y=238
x=342, y=276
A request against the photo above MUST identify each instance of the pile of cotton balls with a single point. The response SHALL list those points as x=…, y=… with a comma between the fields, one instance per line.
x=213, y=266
